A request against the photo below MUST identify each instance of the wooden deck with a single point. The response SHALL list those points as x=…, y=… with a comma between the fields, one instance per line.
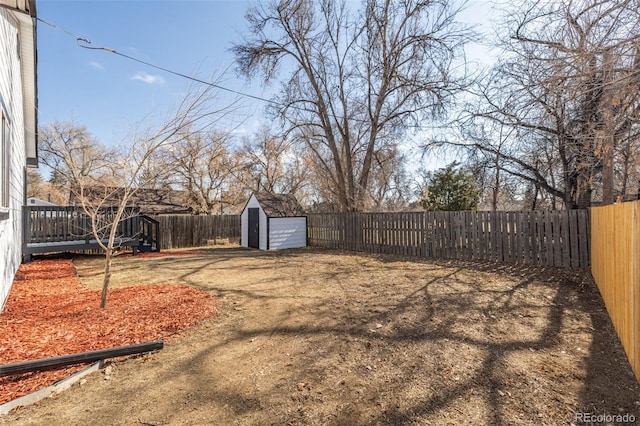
x=77, y=245
x=67, y=229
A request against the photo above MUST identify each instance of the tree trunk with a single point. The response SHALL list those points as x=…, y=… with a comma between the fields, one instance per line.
x=608, y=196
x=608, y=118
x=534, y=203
x=108, y=255
x=583, y=196
x=572, y=191
x=496, y=188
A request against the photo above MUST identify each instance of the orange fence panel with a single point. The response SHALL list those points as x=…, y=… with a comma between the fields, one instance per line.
x=615, y=266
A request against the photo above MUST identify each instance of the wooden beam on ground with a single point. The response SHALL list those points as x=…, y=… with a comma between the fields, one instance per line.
x=80, y=358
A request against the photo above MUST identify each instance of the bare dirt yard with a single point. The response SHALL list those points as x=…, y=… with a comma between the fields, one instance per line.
x=309, y=336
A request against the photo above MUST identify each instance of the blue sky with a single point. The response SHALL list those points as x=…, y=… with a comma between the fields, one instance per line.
x=107, y=93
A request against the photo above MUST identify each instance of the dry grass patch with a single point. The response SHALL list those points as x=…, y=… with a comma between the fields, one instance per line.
x=322, y=337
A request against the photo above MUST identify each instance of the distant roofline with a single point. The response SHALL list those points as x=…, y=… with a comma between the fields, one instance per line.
x=23, y=6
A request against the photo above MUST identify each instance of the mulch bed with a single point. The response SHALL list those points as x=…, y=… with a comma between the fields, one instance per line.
x=49, y=313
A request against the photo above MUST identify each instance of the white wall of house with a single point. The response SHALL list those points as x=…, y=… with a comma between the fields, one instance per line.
x=11, y=103
x=244, y=224
x=287, y=232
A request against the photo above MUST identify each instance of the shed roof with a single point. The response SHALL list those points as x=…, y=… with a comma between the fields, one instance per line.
x=279, y=205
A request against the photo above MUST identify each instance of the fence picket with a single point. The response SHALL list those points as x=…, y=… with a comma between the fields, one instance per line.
x=557, y=238
x=583, y=227
x=545, y=238
x=616, y=244
x=177, y=231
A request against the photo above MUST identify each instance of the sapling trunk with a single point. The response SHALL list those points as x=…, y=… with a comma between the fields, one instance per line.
x=107, y=276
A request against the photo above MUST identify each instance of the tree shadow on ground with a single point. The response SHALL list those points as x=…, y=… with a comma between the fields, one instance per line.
x=472, y=318
x=326, y=338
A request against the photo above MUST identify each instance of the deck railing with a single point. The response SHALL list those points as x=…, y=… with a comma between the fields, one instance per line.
x=149, y=233
x=51, y=224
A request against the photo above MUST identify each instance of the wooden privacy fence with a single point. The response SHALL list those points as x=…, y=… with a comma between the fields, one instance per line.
x=177, y=231
x=615, y=266
x=553, y=238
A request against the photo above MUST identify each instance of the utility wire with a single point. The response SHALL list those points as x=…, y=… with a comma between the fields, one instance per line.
x=85, y=43
x=62, y=30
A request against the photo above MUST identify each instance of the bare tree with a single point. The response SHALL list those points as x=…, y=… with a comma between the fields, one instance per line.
x=420, y=182
x=36, y=186
x=127, y=168
x=390, y=186
x=74, y=155
x=566, y=89
x=270, y=162
x=202, y=166
x=358, y=81
x=46, y=190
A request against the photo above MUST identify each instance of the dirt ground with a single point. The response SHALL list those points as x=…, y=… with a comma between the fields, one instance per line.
x=307, y=337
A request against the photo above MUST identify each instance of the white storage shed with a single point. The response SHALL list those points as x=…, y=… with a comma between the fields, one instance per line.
x=272, y=222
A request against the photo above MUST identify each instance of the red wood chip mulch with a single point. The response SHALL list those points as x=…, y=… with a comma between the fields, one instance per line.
x=49, y=313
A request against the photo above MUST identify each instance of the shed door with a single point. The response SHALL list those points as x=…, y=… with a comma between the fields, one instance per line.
x=254, y=227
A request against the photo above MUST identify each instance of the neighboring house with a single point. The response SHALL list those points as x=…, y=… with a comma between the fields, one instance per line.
x=37, y=202
x=18, y=147
x=150, y=201
x=273, y=221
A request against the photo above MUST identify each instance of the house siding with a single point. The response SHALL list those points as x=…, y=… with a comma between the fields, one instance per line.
x=244, y=224
x=287, y=232
x=11, y=102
